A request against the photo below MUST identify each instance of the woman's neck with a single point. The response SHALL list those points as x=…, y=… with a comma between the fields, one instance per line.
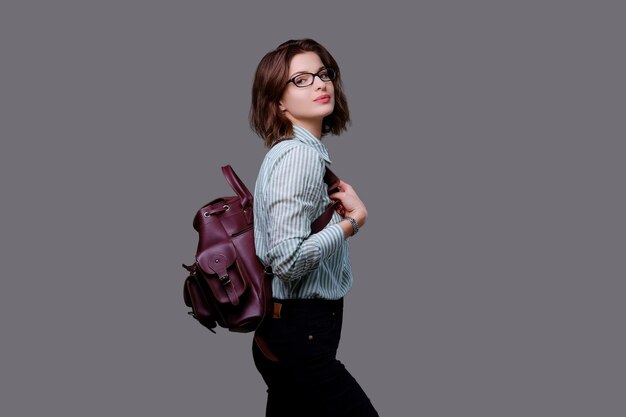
x=313, y=126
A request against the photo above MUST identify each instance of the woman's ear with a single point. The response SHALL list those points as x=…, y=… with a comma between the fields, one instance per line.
x=281, y=107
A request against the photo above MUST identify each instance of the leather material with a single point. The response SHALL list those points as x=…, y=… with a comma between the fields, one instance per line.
x=238, y=186
x=321, y=222
x=228, y=285
x=332, y=183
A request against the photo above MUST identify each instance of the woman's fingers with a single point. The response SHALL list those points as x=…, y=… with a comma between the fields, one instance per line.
x=344, y=186
x=349, y=203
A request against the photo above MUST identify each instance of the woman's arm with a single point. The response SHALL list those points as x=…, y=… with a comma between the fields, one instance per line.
x=293, y=195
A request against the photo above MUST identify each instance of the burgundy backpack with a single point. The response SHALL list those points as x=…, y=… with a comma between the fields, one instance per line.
x=228, y=285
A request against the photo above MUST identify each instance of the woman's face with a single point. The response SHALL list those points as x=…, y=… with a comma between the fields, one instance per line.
x=307, y=106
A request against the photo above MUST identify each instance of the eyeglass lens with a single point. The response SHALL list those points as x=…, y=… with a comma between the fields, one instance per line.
x=306, y=79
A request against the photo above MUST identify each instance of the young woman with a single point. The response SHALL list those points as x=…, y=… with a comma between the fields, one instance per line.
x=297, y=98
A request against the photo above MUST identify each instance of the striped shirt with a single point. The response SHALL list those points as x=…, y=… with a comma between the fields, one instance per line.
x=289, y=194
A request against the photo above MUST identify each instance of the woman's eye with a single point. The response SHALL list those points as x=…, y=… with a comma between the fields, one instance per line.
x=300, y=80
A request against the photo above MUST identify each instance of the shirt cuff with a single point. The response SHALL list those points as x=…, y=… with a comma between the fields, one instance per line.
x=329, y=240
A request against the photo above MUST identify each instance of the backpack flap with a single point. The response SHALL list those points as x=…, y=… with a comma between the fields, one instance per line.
x=218, y=266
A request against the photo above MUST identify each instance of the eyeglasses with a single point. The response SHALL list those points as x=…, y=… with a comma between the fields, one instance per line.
x=305, y=79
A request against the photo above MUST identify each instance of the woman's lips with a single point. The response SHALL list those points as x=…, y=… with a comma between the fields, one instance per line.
x=323, y=99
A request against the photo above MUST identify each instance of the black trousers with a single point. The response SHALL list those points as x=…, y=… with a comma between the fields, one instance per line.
x=308, y=380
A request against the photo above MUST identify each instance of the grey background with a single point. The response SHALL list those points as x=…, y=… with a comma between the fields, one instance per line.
x=487, y=142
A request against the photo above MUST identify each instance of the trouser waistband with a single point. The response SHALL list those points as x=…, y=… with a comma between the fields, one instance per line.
x=292, y=307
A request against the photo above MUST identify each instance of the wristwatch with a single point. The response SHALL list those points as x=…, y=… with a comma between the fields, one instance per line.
x=355, y=226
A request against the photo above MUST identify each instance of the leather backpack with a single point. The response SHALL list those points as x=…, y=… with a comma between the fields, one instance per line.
x=228, y=285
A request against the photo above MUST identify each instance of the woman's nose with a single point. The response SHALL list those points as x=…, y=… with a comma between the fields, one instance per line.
x=319, y=84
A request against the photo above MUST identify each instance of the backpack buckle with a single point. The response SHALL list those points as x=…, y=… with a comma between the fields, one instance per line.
x=224, y=280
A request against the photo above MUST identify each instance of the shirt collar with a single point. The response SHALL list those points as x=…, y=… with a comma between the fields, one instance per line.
x=304, y=136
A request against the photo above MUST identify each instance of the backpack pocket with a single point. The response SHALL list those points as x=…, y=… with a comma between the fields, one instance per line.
x=220, y=270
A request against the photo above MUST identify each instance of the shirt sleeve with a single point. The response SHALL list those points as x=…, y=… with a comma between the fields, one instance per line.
x=293, y=196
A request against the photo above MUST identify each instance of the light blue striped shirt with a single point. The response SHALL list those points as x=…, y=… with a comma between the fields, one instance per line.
x=289, y=194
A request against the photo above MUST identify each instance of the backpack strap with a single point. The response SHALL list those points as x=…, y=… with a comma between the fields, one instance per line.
x=238, y=186
x=332, y=183
x=264, y=348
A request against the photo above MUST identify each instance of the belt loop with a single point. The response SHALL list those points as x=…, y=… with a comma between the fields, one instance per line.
x=277, y=308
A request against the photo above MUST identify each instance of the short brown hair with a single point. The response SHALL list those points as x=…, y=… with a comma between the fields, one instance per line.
x=270, y=82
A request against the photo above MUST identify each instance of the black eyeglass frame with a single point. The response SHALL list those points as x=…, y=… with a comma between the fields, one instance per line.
x=330, y=72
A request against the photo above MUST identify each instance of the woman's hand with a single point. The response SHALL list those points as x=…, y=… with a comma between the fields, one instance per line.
x=349, y=204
